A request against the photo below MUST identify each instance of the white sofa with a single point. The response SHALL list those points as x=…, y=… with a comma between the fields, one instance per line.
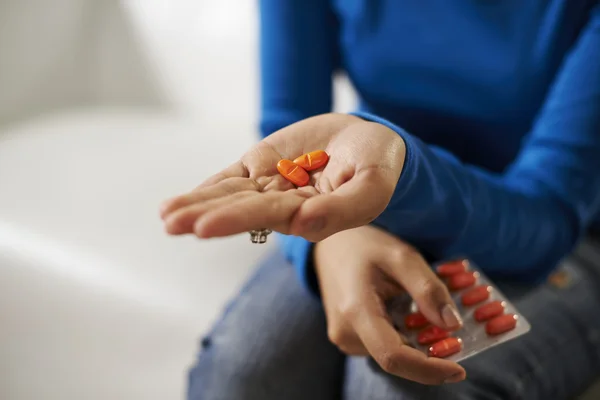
x=106, y=108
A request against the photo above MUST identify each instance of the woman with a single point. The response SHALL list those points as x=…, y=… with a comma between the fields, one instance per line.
x=478, y=133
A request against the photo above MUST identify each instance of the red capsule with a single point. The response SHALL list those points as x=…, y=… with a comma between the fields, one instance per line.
x=489, y=310
x=293, y=173
x=453, y=268
x=462, y=280
x=431, y=335
x=501, y=324
x=415, y=320
x=476, y=295
x=313, y=160
x=446, y=347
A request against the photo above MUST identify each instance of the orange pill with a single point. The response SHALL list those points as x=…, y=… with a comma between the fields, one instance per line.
x=476, y=295
x=453, y=268
x=431, y=335
x=313, y=160
x=462, y=280
x=293, y=173
x=446, y=347
x=415, y=321
x=489, y=310
x=501, y=324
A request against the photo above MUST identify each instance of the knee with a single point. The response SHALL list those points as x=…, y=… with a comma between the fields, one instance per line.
x=245, y=357
x=247, y=354
x=223, y=372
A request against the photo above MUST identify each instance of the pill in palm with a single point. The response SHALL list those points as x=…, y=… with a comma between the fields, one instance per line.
x=313, y=160
x=293, y=173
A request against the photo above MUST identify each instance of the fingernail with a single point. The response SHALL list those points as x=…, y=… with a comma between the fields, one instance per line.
x=316, y=224
x=454, y=378
x=162, y=210
x=451, y=316
x=200, y=229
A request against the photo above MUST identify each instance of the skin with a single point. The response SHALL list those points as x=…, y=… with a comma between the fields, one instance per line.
x=355, y=285
x=355, y=186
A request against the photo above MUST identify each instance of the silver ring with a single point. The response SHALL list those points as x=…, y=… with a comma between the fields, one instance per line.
x=259, y=235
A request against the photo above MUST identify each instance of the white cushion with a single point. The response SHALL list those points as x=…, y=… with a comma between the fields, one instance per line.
x=96, y=301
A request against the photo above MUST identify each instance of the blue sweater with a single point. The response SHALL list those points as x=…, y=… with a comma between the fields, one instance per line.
x=498, y=103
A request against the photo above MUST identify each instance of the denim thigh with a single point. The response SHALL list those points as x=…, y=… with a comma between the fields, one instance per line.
x=270, y=344
x=557, y=359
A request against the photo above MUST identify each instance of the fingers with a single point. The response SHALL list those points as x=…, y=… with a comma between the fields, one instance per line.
x=395, y=357
x=345, y=339
x=405, y=265
x=182, y=220
x=355, y=203
x=265, y=210
x=234, y=205
x=203, y=193
x=354, y=286
x=236, y=170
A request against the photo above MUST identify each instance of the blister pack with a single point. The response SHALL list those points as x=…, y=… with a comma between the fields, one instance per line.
x=489, y=318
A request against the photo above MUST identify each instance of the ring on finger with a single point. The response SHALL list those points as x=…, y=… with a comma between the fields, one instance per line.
x=259, y=235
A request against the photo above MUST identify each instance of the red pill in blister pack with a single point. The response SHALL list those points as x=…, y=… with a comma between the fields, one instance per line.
x=452, y=268
x=431, y=335
x=476, y=295
x=462, y=280
x=489, y=318
x=446, y=347
x=489, y=310
x=415, y=320
x=501, y=324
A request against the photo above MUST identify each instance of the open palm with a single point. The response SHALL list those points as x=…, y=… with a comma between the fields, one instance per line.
x=356, y=185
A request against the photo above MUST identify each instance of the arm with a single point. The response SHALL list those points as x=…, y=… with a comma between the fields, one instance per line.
x=298, y=40
x=298, y=55
x=523, y=222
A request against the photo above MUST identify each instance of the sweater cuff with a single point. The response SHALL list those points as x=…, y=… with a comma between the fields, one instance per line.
x=299, y=252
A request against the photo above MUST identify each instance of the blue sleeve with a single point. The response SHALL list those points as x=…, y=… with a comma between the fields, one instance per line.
x=521, y=223
x=298, y=56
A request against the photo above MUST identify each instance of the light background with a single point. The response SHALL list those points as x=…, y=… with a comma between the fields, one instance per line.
x=106, y=108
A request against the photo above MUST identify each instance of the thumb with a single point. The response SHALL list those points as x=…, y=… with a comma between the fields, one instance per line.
x=355, y=203
x=406, y=266
x=386, y=346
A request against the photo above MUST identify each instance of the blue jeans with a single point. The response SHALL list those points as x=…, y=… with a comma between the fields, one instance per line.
x=271, y=344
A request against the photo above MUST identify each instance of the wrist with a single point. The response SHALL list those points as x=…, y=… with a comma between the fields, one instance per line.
x=325, y=256
x=316, y=257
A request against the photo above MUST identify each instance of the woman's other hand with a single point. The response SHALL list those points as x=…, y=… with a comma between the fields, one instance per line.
x=365, y=162
x=359, y=270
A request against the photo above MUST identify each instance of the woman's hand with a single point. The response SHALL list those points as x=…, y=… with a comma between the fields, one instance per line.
x=365, y=163
x=358, y=271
